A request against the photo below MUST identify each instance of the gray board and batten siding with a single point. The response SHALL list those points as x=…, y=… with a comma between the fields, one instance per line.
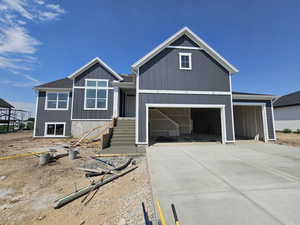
x=162, y=73
x=97, y=71
x=51, y=115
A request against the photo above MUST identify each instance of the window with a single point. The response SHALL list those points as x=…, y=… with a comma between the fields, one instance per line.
x=96, y=94
x=57, y=100
x=55, y=129
x=185, y=61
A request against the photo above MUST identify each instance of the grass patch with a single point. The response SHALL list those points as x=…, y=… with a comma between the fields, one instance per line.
x=287, y=131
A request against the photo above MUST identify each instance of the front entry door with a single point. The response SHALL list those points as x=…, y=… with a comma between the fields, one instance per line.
x=130, y=106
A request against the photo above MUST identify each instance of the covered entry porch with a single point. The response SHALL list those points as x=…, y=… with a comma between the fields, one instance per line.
x=125, y=97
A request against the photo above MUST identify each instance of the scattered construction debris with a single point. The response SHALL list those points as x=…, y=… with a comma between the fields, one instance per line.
x=21, y=155
x=73, y=154
x=2, y=178
x=44, y=159
x=60, y=202
x=29, y=190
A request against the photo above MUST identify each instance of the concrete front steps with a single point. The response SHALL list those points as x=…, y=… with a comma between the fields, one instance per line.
x=124, y=133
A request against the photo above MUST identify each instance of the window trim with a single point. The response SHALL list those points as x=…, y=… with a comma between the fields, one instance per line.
x=190, y=60
x=97, y=88
x=57, y=109
x=47, y=123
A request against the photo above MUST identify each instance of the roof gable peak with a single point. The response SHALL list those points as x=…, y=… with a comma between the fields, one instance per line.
x=195, y=38
x=90, y=64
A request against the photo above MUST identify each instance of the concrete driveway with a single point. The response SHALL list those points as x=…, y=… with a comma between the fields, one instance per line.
x=215, y=184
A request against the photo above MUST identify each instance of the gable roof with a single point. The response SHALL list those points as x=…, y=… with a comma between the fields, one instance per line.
x=90, y=64
x=291, y=99
x=64, y=83
x=186, y=31
x=5, y=104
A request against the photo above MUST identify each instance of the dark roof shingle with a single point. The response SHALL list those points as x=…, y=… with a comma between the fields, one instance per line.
x=5, y=104
x=61, y=83
x=288, y=100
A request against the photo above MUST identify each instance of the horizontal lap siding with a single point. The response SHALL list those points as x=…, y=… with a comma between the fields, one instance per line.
x=287, y=117
x=44, y=116
x=182, y=99
x=270, y=120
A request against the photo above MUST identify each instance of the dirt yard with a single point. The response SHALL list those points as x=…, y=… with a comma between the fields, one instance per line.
x=27, y=191
x=288, y=139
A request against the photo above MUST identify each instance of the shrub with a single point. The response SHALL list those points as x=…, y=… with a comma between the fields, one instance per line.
x=297, y=131
x=287, y=130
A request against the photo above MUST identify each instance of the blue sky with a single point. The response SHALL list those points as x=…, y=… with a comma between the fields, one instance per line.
x=41, y=40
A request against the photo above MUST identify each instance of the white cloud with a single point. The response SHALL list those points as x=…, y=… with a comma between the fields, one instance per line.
x=44, y=16
x=18, y=83
x=18, y=6
x=14, y=64
x=28, y=77
x=53, y=12
x=40, y=2
x=22, y=22
x=17, y=45
x=56, y=8
x=15, y=39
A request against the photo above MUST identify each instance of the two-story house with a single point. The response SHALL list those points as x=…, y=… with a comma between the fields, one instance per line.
x=182, y=88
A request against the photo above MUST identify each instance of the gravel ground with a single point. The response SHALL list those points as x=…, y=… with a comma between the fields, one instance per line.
x=27, y=191
x=291, y=139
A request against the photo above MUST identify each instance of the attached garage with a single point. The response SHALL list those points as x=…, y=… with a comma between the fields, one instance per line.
x=250, y=121
x=169, y=123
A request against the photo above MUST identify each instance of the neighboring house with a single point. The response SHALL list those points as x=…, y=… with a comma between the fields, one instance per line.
x=287, y=112
x=180, y=88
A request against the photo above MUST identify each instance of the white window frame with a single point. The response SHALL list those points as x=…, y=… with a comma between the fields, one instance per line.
x=56, y=108
x=190, y=60
x=97, y=88
x=55, y=123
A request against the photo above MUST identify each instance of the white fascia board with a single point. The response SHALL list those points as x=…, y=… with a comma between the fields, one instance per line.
x=92, y=119
x=249, y=103
x=211, y=51
x=193, y=37
x=124, y=84
x=91, y=63
x=253, y=97
x=52, y=89
x=148, y=91
x=185, y=105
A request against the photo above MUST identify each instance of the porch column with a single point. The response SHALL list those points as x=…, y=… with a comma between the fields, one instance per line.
x=116, y=102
